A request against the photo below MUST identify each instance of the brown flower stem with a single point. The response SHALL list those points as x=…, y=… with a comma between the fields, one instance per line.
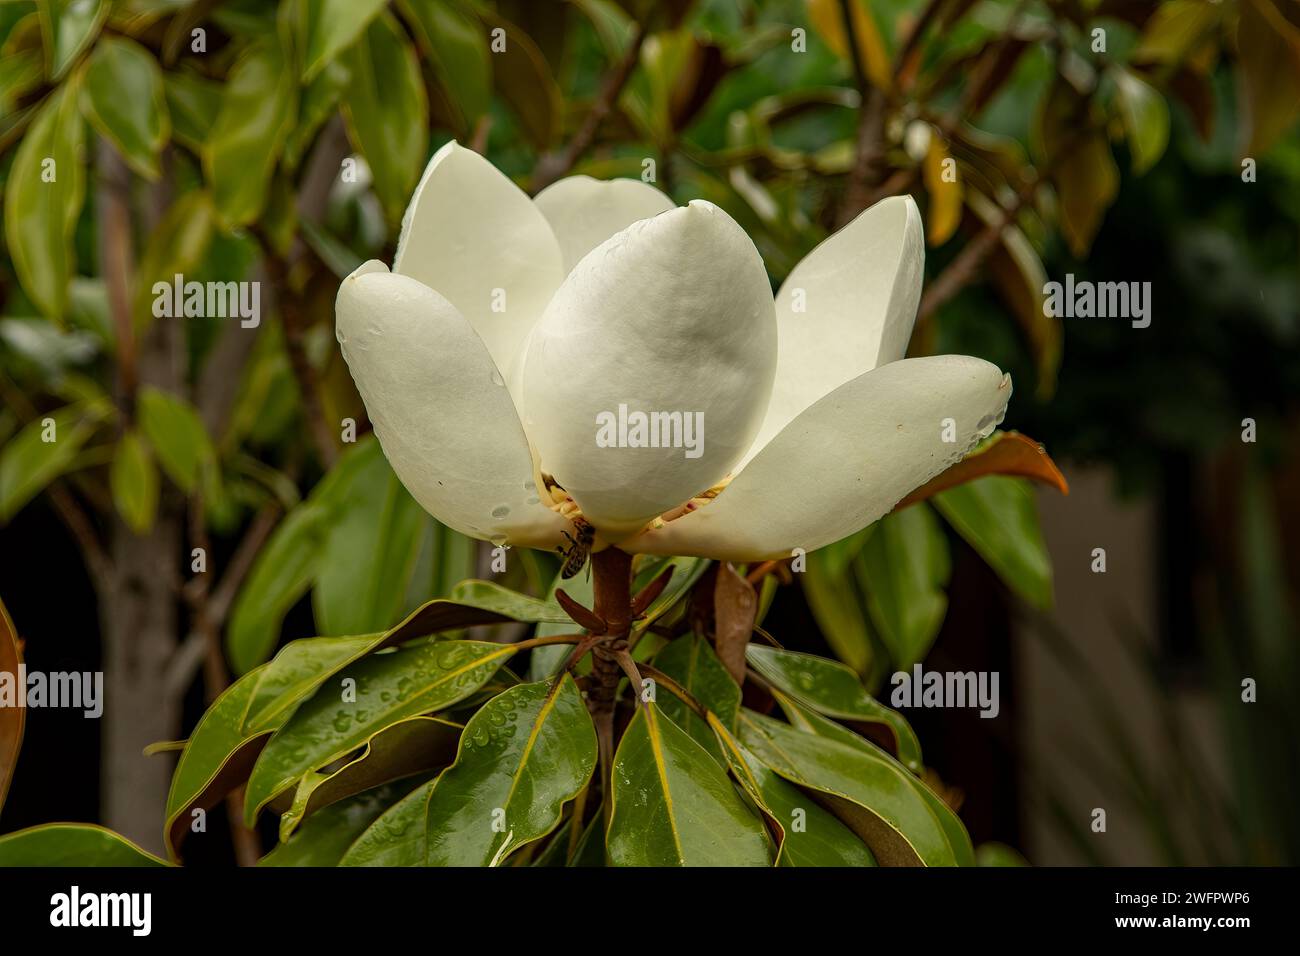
x=612, y=587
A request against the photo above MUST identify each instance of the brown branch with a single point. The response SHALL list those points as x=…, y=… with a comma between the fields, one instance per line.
x=869, y=150
x=553, y=166
x=913, y=40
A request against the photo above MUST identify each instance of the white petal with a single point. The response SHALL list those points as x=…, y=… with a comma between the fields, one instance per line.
x=440, y=409
x=477, y=239
x=673, y=314
x=584, y=212
x=844, y=462
x=859, y=291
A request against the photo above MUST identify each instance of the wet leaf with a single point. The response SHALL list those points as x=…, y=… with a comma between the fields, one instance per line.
x=809, y=834
x=873, y=797
x=690, y=661
x=832, y=689
x=72, y=844
x=674, y=806
x=363, y=699
x=397, y=837
x=326, y=835
x=522, y=756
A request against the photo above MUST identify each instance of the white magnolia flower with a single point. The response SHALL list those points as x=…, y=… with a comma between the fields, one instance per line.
x=509, y=329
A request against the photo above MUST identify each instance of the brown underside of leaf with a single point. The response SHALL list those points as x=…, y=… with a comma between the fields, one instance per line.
x=1012, y=454
x=735, y=607
x=11, y=718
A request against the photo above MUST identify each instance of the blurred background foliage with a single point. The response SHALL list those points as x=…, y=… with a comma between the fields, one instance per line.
x=206, y=472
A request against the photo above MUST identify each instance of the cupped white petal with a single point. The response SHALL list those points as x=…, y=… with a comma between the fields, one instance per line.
x=844, y=462
x=673, y=316
x=584, y=212
x=846, y=308
x=440, y=409
x=477, y=239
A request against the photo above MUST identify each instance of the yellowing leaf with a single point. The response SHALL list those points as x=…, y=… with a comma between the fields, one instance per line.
x=939, y=171
x=1269, y=65
x=828, y=19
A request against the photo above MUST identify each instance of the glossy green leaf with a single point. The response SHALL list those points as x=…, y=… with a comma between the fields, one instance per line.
x=691, y=661
x=832, y=689
x=68, y=26
x=810, y=835
x=406, y=748
x=905, y=569
x=456, y=47
x=873, y=797
x=674, y=806
x=959, y=841
x=72, y=844
x=133, y=479
x=326, y=835
x=331, y=26
x=397, y=837
x=176, y=433
x=999, y=519
x=362, y=700
x=523, y=755
x=43, y=196
x=258, y=108
x=28, y=462
x=1145, y=116
x=387, y=112
x=123, y=98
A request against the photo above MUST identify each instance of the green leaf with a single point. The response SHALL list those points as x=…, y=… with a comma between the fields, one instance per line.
x=193, y=103
x=176, y=433
x=176, y=246
x=28, y=462
x=872, y=796
x=330, y=27
x=522, y=756
x=905, y=568
x=258, y=108
x=123, y=99
x=217, y=756
x=999, y=519
x=1145, y=116
x=955, y=831
x=282, y=573
x=831, y=688
x=43, y=197
x=691, y=661
x=839, y=615
x=406, y=748
x=20, y=73
x=456, y=48
x=369, y=555
x=369, y=695
x=72, y=844
x=67, y=27
x=810, y=835
x=674, y=806
x=328, y=834
x=387, y=112
x=397, y=837
x=133, y=479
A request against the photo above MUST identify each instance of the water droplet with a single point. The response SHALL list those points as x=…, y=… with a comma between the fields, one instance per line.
x=500, y=511
x=497, y=379
x=530, y=485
